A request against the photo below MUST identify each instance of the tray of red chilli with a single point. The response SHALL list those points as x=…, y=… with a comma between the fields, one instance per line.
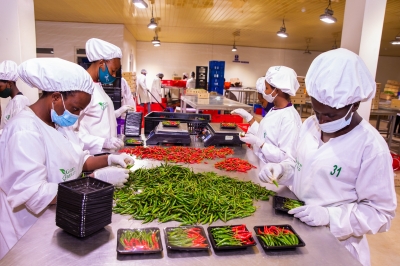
x=230, y=237
x=171, y=123
x=139, y=241
x=186, y=238
x=228, y=125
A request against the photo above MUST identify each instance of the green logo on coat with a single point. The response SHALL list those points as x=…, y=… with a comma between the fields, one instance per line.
x=7, y=117
x=103, y=105
x=67, y=173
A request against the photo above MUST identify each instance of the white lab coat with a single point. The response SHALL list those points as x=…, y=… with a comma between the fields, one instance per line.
x=14, y=106
x=127, y=97
x=191, y=83
x=34, y=158
x=156, y=90
x=352, y=176
x=97, y=122
x=143, y=96
x=279, y=129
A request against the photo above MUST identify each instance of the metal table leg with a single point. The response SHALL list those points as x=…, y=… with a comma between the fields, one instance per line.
x=391, y=129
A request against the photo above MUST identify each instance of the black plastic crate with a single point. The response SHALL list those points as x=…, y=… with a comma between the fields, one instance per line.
x=195, y=122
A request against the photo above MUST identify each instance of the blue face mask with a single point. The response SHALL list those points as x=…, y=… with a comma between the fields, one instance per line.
x=66, y=119
x=105, y=76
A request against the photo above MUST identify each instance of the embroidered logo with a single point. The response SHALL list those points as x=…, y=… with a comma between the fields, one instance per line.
x=67, y=173
x=103, y=105
x=7, y=117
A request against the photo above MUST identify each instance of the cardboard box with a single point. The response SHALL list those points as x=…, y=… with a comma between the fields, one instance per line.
x=385, y=96
x=298, y=101
x=298, y=96
x=393, y=82
x=301, y=91
x=203, y=101
x=301, y=79
x=378, y=85
x=395, y=103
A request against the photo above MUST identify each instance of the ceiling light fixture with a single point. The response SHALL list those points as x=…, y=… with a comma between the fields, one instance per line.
x=328, y=17
x=234, y=46
x=307, y=51
x=236, y=33
x=396, y=40
x=282, y=32
x=156, y=42
x=140, y=3
x=152, y=24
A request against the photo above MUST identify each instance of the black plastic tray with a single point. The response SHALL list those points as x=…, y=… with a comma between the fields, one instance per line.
x=225, y=127
x=213, y=244
x=172, y=247
x=165, y=125
x=278, y=203
x=134, y=144
x=286, y=226
x=120, y=247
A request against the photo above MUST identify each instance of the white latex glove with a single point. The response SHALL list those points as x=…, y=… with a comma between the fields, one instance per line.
x=243, y=113
x=114, y=175
x=271, y=172
x=252, y=139
x=123, y=109
x=122, y=159
x=311, y=215
x=113, y=144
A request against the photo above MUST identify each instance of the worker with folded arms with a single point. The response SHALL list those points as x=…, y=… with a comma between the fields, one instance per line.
x=39, y=149
x=273, y=138
x=341, y=166
x=97, y=125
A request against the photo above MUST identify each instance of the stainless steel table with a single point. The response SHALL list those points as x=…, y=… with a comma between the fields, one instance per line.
x=215, y=102
x=46, y=244
x=391, y=113
x=245, y=94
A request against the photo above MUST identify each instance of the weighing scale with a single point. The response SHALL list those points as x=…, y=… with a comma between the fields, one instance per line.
x=133, y=125
x=169, y=135
x=214, y=135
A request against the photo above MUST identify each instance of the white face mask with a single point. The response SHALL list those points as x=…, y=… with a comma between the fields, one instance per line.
x=268, y=97
x=337, y=125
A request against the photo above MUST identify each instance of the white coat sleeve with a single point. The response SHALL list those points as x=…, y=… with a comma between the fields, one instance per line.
x=376, y=204
x=94, y=144
x=253, y=129
x=24, y=172
x=285, y=144
x=127, y=97
x=142, y=82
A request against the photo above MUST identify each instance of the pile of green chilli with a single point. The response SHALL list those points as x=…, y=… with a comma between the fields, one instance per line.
x=176, y=193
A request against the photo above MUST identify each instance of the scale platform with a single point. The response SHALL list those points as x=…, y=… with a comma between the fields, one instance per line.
x=169, y=135
x=214, y=135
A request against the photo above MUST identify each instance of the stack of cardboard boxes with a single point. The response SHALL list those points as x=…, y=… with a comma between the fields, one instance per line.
x=301, y=94
x=390, y=91
x=130, y=77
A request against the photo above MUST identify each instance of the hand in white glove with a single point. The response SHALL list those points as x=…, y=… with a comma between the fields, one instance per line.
x=311, y=215
x=271, y=172
x=114, y=175
x=113, y=144
x=122, y=159
x=123, y=109
x=243, y=113
x=252, y=139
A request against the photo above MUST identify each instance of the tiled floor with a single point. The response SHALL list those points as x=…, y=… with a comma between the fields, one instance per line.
x=384, y=247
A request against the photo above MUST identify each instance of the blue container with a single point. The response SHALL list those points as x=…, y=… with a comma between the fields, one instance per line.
x=256, y=106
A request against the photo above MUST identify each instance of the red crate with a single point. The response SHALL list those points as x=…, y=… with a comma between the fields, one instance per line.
x=243, y=127
x=155, y=107
x=226, y=119
x=259, y=111
x=210, y=112
x=141, y=109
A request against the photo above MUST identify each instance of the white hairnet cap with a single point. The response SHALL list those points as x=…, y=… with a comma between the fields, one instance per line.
x=8, y=70
x=185, y=74
x=283, y=78
x=260, y=85
x=143, y=71
x=55, y=74
x=97, y=49
x=338, y=78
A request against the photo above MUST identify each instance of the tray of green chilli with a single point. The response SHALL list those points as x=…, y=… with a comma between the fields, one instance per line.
x=283, y=204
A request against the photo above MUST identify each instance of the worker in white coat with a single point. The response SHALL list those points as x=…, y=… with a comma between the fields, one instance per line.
x=40, y=150
x=142, y=90
x=191, y=83
x=156, y=90
x=127, y=97
x=8, y=88
x=97, y=125
x=273, y=138
x=342, y=167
